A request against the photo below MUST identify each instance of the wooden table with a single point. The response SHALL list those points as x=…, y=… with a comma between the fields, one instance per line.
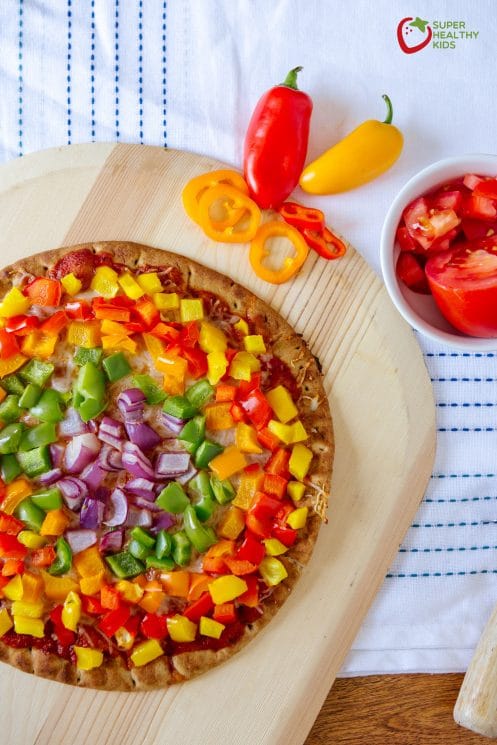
x=392, y=710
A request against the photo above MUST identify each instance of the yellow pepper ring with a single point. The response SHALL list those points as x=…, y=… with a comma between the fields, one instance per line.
x=240, y=202
x=197, y=187
x=290, y=265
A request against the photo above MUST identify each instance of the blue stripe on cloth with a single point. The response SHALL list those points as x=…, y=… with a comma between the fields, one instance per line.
x=462, y=573
x=140, y=71
x=20, y=79
x=92, y=72
x=116, y=66
x=164, y=88
x=68, y=68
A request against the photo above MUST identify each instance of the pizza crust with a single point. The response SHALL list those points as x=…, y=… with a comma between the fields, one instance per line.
x=315, y=414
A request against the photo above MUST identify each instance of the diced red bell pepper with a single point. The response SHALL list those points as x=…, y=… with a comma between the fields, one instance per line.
x=10, y=524
x=264, y=505
x=44, y=291
x=237, y=413
x=200, y=607
x=43, y=557
x=8, y=344
x=189, y=334
x=239, y=567
x=154, y=626
x=133, y=624
x=278, y=463
x=54, y=325
x=251, y=549
x=166, y=332
x=197, y=362
x=11, y=548
x=92, y=606
x=250, y=597
x=147, y=312
x=230, y=353
x=246, y=387
x=285, y=508
x=214, y=565
x=274, y=485
x=257, y=408
x=268, y=440
x=113, y=620
x=79, y=310
x=286, y=535
x=21, y=325
x=225, y=613
x=110, y=597
x=12, y=567
x=110, y=313
x=65, y=636
x=120, y=301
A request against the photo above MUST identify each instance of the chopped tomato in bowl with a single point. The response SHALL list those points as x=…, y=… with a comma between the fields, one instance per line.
x=439, y=252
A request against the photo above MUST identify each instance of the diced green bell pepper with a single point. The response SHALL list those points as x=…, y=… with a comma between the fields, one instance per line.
x=48, y=408
x=31, y=515
x=204, y=508
x=201, y=485
x=173, y=498
x=138, y=550
x=37, y=372
x=182, y=548
x=116, y=366
x=200, y=392
x=125, y=565
x=179, y=407
x=10, y=438
x=153, y=393
x=166, y=564
x=206, y=451
x=222, y=490
x=89, y=392
x=9, y=409
x=36, y=437
x=88, y=354
x=143, y=537
x=63, y=560
x=31, y=395
x=163, y=544
x=198, y=535
x=9, y=468
x=193, y=433
x=48, y=499
x=13, y=384
x=35, y=462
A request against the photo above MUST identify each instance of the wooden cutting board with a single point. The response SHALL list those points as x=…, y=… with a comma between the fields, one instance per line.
x=383, y=413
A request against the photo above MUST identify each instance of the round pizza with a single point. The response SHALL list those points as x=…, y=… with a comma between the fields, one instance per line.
x=166, y=449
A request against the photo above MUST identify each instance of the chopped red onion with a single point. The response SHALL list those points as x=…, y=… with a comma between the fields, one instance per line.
x=72, y=424
x=92, y=512
x=184, y=478
x=110, y=459
x=174, y=424
x=81, y=539
x=136, y=462
x=143, y=435
x=131, y=404
x=73, y=491
x=114, y=442
x=141, y=488
x=173, y=464
x=80, y=451
x=138, y=517
x=50, y=477
x=112, y=541
x=110, y=431
x=164, y=521
x=145, y=504
x=92, y=426
x=116, y=510
x=56, y=454
x=93, y=475
x=102, y=493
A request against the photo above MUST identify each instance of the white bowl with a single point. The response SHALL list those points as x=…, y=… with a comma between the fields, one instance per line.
x=420, y=311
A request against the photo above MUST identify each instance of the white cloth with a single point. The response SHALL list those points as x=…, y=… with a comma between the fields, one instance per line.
x=187, y=74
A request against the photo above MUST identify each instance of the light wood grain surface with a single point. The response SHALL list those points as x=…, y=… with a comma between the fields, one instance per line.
x=383, y=413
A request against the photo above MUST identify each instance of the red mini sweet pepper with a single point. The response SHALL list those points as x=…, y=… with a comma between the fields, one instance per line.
x=276, y=142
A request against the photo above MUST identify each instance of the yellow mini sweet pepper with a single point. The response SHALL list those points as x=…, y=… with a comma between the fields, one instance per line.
x=58, y=588
x=254, y=343
x=298, y=518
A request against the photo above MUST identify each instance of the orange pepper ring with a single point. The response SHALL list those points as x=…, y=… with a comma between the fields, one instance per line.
x=195, y=188
x=240, y=201
x=291, y=264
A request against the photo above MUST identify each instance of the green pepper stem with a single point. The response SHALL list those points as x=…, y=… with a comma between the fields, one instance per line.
x=291, y=79
x=389, y=116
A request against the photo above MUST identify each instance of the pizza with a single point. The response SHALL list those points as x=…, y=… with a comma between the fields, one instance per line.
x=166, y=449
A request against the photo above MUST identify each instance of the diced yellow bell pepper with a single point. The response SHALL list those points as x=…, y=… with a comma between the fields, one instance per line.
x=31, y=626
x=55, y=522
x=58, y=588
x=116, y=341
x=71, y=284
x=217, y=364
x=300, y=460
x=105, y=282
x=246, y=438
x=84, y=334
x=89, y=562
x=226, y=588
x=191, y=309
x=36, y=344
x=15, y=492
x=93, y=584
x=155, y=347
x=87, y=658
x=243, y=365
x=14, y=303
x=254, y=343
x=130, y=591
x=166, y=300
x=227, y=463
x=274, y=547
x=295, y=490
x=14, y=590
x=298, y=518
x=299, y=433
x=150, y=282
x=71, y=611
x=218, y=416
x=232, y=523
x=30, y=539
x=241, y=326
x=282, y=403
x=130, y=286
x=11, y=364
x=5, y=621
x=112, y=328
x=210, y=627
x=27, y=608
x=272, y=571
x=32, y=585
x=146, y=652
x=211, y=338
x=249, y=484
x=283, y=431
x=124, y=638
x=181, y=629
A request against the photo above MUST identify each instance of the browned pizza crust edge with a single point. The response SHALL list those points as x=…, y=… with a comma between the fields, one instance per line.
x=315, y=414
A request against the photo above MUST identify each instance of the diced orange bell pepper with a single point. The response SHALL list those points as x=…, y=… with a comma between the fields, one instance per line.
x=227, y=463
x=3, y=394
x=251, y=597
x=232, y=523
x=15, y=492
x=58, y=588
x=218, y=416
x=11, y=364
x=246, y=438
x=10, y=524
x=176, y=583
x=151, y=601
x=55, y=324
x=250, y=483
x=155, y=347
x=90, y=585
x=115, y=341
x=174, y=369
x=225, y=392
x=88, y=563
x=37, y=344
x=221, y=548
x=198, y=585
x=110, y=597
x=55, y=522
x=32, y=587
x=44, y=291
x=84, y=334
x=43, y=557
x=12, y=567
x=225, y=612
x=214, y=565
x=239, y=567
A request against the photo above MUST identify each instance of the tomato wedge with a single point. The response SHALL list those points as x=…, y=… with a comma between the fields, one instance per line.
x=410, y=271
x=463, y=282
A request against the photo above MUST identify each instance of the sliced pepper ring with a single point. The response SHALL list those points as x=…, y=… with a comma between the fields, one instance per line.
x=301, y=217
x=240, y=202
x=325, y=243
x=290, y=265
x=197, y=187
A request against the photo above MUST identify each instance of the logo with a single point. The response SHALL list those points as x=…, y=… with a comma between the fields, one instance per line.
x=414, y=34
